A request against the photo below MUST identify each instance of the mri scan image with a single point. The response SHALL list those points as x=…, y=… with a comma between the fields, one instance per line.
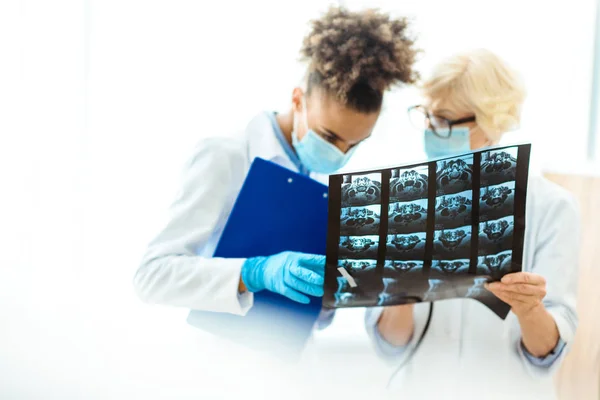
x=409, y=184
x=348, y=296
x=361, y=190
x=440, y=289
x=360, y=268
x=453, y=211
x=496, y=265
x=395, y=291
x=360, y=221
x=403, y=269
x=406, y=247
x=499, y=166
x=390, y=292
x=452, y=244
x=477, y=289
x=433, y=291
x=496, y=236
x=345, y=294
x=454, y=175
x=407, y=217
x=444, y=268
x=497, y=201
x=359, y=247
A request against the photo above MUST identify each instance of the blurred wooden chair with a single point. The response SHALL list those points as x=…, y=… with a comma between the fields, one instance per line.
x=579, y=376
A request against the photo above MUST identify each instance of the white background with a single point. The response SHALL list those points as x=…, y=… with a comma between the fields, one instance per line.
x=100, y=102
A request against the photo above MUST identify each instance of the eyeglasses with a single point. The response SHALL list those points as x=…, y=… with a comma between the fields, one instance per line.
x=442, y=127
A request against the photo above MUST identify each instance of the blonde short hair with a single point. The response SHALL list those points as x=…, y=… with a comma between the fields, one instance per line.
x=481, y=82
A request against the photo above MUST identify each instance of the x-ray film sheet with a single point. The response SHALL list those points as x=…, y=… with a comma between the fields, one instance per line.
x=426, y=232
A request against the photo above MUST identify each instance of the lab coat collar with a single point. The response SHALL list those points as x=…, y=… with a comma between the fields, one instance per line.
x=286, y=146
x=262, y=142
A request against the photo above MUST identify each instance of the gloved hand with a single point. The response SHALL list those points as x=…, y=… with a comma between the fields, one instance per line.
x=290, y=274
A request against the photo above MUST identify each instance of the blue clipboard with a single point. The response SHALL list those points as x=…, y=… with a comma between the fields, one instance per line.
x=276, y=210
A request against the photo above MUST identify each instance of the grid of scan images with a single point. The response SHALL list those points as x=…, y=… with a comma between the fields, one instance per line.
x=359, y=237
x=496, y=211
x=397, y=274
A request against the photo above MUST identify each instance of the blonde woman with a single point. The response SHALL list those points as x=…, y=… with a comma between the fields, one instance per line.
x=470, y=101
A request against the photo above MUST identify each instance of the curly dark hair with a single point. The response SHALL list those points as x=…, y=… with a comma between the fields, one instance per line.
x=356, y=56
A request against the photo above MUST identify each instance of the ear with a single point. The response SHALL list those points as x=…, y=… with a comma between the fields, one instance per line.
x=297, y=95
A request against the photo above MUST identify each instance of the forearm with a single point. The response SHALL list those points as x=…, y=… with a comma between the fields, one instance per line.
x=538, y=331
x=193, y=282
x=396, y=324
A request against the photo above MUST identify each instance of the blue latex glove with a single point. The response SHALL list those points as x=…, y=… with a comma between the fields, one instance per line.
x=289, y=273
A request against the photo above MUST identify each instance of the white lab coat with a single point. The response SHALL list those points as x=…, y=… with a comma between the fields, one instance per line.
x=470, y=353
x=178, y=269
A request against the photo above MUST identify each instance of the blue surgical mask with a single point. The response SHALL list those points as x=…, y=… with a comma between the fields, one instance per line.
x=317, y=154
x=457, y=143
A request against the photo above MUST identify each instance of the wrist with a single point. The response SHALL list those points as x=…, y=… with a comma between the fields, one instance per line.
x=531, y=314
x=251, y=274
x=539, y=332
x=241, y=286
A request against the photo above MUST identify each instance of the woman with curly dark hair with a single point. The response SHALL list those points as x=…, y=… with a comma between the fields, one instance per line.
x=352, y=59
